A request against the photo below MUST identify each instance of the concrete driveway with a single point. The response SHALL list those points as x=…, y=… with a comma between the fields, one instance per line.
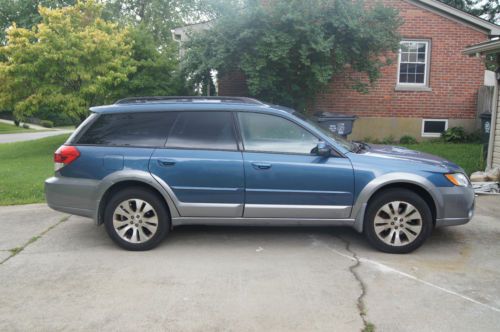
x=63, y=273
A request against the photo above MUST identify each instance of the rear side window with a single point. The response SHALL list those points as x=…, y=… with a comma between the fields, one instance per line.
x=203, y=130
x=130, y=129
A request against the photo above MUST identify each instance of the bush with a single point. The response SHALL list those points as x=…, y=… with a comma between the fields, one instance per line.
x=17, y=123
x=454, y=135
x=407, y=139
x=475, y=137
x=47, y=123
x=388, y=140
x=25, y=126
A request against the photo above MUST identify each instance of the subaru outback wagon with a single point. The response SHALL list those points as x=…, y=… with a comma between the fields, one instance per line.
x=145, y=165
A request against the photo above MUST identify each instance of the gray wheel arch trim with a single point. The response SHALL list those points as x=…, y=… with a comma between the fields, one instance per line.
x=139, y=176
x=358, y=210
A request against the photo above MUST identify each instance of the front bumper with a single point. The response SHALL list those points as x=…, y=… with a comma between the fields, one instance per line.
x=72, y=195
x=457, y=207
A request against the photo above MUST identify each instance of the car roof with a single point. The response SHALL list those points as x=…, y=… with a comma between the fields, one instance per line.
x=158, y=104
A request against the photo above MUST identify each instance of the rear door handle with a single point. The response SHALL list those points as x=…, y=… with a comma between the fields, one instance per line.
x=166, y=162
x=261, y=165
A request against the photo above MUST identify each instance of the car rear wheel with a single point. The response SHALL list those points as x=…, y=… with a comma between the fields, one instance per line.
x=136, y=219
x=397, y=221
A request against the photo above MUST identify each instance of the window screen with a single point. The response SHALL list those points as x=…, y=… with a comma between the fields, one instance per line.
x=203, y=130
x=413, y=62
x=130, y=129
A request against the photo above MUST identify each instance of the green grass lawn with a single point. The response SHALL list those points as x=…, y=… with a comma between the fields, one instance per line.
x=23, y=168
x=6, y=128
x=468, y=156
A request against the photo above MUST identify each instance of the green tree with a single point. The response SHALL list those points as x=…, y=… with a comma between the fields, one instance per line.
x=489, y=10
x=290, y=50
x=72, y=60
x=157, y=69
x=25, y=13
x=156, y=16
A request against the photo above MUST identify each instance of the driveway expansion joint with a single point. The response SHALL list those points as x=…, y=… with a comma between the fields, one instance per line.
x=17, y=250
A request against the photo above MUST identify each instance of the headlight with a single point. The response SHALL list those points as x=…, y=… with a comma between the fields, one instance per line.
x=458, y=179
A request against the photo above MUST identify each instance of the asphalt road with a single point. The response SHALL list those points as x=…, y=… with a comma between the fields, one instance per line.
x=60, y=273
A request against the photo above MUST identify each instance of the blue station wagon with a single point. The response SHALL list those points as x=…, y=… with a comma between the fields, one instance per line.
x=145, y=165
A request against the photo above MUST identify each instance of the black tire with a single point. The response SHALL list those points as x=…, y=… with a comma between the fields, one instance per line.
x=414, y=239
x=159, y=210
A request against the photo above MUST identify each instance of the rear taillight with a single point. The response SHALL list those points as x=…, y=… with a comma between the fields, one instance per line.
x=65, y=155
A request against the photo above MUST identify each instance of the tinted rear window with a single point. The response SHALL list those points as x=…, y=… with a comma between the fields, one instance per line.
x=130, y=129
x=203, y=130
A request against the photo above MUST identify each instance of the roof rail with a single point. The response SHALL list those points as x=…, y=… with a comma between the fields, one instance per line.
x=185, y=99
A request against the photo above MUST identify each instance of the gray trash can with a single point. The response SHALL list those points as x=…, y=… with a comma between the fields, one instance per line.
x=340, y=124
x=485, y=131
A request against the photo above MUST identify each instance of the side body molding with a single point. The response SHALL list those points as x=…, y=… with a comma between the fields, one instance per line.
x=359, y=208
x=139, y=176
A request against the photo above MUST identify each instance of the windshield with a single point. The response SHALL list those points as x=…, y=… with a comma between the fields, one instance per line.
x=338, y=139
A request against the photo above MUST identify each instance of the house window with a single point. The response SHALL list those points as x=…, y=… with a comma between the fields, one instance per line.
x=433, y=127
x=413, y=61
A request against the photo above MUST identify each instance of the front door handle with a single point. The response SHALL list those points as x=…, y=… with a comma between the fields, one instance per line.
x=166, y=162
x=261, y=165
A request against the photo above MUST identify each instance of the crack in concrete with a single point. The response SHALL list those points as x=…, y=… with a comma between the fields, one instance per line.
x=360, y=300
x=15, y=251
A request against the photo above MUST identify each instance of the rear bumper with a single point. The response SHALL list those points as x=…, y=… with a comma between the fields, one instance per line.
x=458, y=206
x=71, y=195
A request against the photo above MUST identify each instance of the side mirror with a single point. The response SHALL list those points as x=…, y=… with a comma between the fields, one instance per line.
x=322, y=149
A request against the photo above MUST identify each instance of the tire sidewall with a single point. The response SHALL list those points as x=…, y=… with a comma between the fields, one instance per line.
x=397, y=195
x=156, y=203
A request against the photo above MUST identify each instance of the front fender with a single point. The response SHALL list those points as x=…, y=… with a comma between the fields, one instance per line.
x=359, y=208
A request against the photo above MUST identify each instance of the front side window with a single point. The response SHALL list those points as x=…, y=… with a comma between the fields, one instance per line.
x=413, y=63
x=203, y=130
x=139, y=129
x=268, y=133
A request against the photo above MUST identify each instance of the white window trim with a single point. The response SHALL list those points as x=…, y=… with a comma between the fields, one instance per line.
x=424, y=134
x=417, y=86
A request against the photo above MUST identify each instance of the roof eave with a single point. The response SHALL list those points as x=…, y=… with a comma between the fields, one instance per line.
x=490, y=28
x=483, y=48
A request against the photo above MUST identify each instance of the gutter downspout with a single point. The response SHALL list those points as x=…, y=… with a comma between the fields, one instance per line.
x=494, y=111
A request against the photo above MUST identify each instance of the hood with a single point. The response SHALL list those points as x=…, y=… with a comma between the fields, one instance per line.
x=402, y=153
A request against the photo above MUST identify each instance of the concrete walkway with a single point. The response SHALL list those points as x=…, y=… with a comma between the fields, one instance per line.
x=60, y=273
x=31, y=135
x=32, y=126
x=18, y=137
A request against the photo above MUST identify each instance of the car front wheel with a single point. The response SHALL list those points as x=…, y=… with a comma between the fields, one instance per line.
x=136, y=219
x=397, y=221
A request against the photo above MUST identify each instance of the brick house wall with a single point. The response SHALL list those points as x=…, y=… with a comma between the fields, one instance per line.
x=454, y=79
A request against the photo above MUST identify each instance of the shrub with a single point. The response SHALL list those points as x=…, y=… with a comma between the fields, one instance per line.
x=388, y=140
x=25, y=126
x=47, y=123
x=17, y=123
x=407, y=139
x=475, y=137
x=289, y=50
x=454, y=135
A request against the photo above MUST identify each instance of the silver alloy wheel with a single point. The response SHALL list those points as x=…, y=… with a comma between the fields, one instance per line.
x=135, y=220
x=398, y=223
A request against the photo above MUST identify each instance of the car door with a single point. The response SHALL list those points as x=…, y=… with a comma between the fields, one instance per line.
x=284, y=178
x=202, y=166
